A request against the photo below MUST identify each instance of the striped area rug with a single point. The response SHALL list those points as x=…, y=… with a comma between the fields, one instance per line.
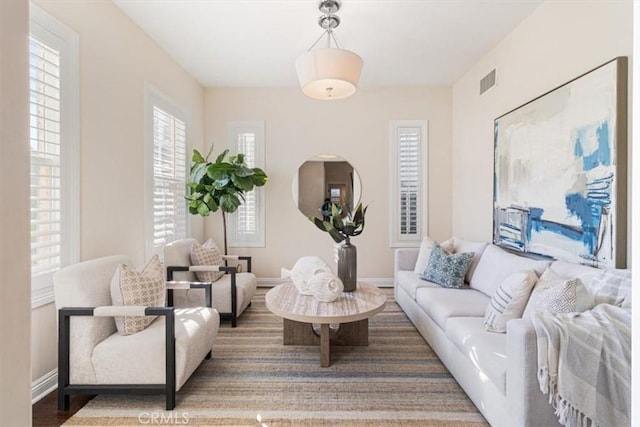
x=253, y=380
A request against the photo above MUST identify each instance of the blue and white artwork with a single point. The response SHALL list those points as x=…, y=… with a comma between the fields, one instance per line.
x=555, y=173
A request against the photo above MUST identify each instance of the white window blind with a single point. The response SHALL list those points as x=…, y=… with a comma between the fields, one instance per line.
x=53, y=142
x=407, y=142
x=44, y=117
x=169, y=178
x=246, y=225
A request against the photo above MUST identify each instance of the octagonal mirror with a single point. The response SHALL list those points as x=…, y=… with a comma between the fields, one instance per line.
x=322, y=178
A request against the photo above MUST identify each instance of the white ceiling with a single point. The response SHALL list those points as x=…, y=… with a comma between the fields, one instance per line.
x=254, y=43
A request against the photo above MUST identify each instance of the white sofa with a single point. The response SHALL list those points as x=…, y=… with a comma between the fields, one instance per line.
x=496, y=370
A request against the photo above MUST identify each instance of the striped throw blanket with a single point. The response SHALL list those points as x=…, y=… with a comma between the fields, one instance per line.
x=584, y=365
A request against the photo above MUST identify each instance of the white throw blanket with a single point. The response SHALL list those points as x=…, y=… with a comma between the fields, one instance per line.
x=584, y=365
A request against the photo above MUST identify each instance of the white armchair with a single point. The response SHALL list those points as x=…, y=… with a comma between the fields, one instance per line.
x=231, y=294
x=93, y=358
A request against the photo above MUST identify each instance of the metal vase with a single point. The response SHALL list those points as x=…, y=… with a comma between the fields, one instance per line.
x=347, y=265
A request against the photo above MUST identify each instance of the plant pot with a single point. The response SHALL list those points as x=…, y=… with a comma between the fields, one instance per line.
x=347, y=265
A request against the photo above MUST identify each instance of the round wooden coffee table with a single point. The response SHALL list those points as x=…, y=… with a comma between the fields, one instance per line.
x=351, y=310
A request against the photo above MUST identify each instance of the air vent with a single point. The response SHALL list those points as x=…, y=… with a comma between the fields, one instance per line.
x=488, y=81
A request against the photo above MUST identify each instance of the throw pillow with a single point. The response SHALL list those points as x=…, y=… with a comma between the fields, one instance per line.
x=445, y=269
x=207, y=254
x=477, y=248
x=509, y=300
x=146, y=288
x=425, y=253
x=553, y=296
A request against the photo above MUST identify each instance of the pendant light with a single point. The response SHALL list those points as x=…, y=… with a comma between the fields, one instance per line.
x=328, y=73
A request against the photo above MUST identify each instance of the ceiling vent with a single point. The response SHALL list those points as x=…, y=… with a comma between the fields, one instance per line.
x=488, y=81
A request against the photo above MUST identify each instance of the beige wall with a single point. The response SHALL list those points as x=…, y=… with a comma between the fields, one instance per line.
x=116, y=59
x=358, y=130
x=635, y=236
x=556, y=43
x=15, y=289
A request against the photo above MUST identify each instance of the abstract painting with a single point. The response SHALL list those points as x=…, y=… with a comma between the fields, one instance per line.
x=560, y=171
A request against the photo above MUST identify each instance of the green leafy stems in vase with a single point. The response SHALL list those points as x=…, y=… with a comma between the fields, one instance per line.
x=341, y=230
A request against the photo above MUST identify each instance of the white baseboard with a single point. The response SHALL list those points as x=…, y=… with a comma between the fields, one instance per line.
x=270, y=282
x=44, y=385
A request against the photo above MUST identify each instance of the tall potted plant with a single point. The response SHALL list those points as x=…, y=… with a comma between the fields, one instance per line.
x=220, y=184
x=341, y=230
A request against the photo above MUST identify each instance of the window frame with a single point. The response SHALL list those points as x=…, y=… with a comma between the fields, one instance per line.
x=153, y=97
x=396, y=238
x=256, y=240
x=55, y=34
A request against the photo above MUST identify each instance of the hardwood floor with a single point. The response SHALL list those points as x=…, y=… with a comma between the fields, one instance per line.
x=45, y=412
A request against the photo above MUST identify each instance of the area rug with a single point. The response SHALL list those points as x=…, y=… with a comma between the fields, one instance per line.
x=253, y=380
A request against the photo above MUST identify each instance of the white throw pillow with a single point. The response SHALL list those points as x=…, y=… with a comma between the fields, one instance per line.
x=477, y=248
x=207, y=254
x=425, y=253
x=509, y=300
x=552, y=294
x=146, y=288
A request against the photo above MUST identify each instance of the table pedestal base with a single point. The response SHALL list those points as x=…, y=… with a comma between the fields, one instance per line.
x=300, y=333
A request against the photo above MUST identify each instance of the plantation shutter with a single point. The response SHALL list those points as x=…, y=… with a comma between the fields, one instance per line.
x=409, y=170
x=246, y=225
x=408, y=152
x=44, y=139
x=247, y=213
x=169, y=178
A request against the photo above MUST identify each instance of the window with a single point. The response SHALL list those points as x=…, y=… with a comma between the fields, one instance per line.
x=246, y=226
x=167, y=160
x=54, y=146
x=408, y=155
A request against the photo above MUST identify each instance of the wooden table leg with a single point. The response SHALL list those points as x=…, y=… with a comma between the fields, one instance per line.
x=325, y=356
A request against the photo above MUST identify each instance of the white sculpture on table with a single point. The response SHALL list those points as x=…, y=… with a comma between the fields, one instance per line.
x=312, y=276
x=326, y=287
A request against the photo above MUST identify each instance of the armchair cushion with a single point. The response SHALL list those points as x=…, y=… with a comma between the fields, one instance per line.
x=132, y=288
x=140, y=358
x=207, y=254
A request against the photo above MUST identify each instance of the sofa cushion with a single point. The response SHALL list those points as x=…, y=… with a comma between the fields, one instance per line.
x=487, y=351
x=207, y=254
x=425, y=253
x=441, y=304
x=496, y=264
x=410, y=282
x=146, y=288
x=120, y=359
x=509, y=301
x=477, y=248
x=446, y=269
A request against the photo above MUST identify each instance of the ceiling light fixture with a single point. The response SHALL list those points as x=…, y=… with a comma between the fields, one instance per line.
x=331, y=72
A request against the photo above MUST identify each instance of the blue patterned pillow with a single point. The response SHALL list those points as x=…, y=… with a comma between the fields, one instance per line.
x=447, y=270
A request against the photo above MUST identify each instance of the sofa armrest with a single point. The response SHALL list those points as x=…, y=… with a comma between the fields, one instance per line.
x=185, y=285
x=64, y=344
x=527, y=405
x=405, y=259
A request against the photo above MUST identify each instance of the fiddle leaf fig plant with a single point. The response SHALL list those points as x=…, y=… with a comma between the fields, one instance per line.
x=220, y=184
x=342, y=228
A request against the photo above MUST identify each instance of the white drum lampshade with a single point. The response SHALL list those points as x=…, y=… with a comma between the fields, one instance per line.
x=329, y=73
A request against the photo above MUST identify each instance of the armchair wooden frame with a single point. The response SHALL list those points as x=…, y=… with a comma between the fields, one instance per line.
x=233, y=315
x=65, y=389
